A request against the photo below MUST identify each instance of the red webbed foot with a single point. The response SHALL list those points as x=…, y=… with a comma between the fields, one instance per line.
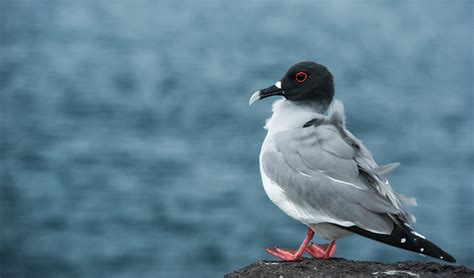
x=291, y=255
x=288, y=255
x=321, y=251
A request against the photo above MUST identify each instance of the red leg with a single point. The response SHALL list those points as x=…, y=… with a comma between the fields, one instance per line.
x=291, y=255
x=331, y=250
x=322, y=251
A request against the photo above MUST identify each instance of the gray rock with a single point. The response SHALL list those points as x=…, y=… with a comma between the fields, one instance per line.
x=338, y=267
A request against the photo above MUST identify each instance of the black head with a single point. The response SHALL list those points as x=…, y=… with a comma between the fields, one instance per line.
x=305, y=81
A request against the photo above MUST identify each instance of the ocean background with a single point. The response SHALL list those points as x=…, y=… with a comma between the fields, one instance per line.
x=128, y=149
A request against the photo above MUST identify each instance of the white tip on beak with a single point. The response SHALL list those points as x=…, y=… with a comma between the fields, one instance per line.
x=254, y=97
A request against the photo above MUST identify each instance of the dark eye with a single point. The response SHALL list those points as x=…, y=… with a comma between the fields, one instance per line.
x=301, y=77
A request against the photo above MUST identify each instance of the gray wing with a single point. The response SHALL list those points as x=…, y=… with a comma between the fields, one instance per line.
x=372, y=174
x=321, y=185
x=319, y=169
x=376, y=176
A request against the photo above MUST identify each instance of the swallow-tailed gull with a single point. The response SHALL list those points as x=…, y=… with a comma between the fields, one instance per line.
x=320, y=174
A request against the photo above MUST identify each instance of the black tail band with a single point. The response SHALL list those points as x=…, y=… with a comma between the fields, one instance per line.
x=405, y=238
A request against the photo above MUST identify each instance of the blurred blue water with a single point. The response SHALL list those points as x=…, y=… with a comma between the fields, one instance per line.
x=127, y=147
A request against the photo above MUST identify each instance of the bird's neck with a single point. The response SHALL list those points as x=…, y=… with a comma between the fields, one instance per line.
x=289, y=115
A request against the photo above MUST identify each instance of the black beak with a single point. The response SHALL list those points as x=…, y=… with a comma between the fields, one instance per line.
x=274, y=90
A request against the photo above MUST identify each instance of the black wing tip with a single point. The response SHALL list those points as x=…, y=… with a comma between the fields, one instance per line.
x=440, y=254
x=405, y=238
x=449, y=259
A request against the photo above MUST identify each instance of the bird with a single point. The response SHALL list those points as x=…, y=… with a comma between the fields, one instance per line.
x=318, y=173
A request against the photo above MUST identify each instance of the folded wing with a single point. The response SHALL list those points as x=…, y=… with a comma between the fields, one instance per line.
x=329, y=176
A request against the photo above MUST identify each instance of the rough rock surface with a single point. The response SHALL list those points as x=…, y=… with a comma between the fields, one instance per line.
x=338, y=267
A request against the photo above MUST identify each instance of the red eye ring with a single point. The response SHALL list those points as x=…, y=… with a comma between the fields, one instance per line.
x=301, y=77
